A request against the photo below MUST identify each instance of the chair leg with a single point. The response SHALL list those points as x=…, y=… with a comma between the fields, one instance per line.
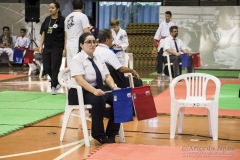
x=66, y=116
x=180, y=122
x=169, y=69
x=173, y=121
x=29, y=70
x=41, y=71
x=84, y=125
x=214, y=122
x=121, y=133
x=209, y=123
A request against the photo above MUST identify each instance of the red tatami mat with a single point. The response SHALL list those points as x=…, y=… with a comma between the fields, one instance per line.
x=10, y=76
x=162, y=101
x=152, y=152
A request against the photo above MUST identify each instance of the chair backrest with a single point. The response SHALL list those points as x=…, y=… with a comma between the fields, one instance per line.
x=129, y=60
x=63, y=79
x=196, y=85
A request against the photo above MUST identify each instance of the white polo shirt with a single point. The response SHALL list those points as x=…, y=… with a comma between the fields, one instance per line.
x=169, y=44
x=81, y=65
x=107, y=56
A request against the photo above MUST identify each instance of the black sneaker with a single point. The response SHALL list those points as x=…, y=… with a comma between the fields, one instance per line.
x=112, y=139
x=103, y=140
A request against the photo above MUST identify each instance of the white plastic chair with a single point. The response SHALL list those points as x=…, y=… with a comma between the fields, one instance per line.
x=129, y=60
x=169, y=64
x=81, y=107
x=129, y=64
x=196, y=88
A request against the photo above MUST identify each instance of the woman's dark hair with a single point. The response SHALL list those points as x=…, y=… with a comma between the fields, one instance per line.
x=103, y=35
x=82, y=38
x=77, y=4
x=57, y=5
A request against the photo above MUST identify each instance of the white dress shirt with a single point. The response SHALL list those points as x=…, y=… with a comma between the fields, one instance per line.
x=107, y=56
x=81, y=65
x=169, y=44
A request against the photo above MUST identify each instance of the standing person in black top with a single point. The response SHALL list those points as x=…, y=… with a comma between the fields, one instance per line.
x=53, y=39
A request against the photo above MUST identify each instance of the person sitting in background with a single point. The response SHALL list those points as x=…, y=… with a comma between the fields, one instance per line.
x=22, y=41
x=174, y=47
x=115, y=68
x=6, y=44
x=89, y=71
x=120, y=40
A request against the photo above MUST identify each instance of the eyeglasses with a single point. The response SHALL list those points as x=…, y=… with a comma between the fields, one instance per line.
x=91, y=42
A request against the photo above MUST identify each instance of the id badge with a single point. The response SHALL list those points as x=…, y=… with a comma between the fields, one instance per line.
x=50, y=30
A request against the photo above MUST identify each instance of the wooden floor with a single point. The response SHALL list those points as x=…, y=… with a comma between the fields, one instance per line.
x=41, y=141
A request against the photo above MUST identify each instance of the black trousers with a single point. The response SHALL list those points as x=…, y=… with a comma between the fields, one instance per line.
x=160, y=61
x=52, y=60
x=98, y=111
x=177, y=69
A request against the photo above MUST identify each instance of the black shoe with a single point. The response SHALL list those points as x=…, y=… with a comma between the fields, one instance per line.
x=103, y=140
x=112, y=139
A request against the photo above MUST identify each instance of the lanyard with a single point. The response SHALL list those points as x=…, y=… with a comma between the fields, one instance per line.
x=51, y=21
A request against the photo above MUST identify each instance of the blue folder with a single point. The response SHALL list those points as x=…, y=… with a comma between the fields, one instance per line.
x=122, y=105
x=184, y=58
x=18, y=56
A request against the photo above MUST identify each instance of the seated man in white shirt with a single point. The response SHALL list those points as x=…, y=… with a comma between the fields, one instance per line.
x=6, y=44
x=103, y=51
x=174, y=47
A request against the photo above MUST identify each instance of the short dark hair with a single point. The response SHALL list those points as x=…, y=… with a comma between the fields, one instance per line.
x=114, y=22
x=77, y=4
x=103, y=35
x=172, y=28
x=169, y=12
x=24, y=30
x=6, y=27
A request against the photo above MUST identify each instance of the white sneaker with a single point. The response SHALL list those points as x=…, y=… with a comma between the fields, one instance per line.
x=53, y=91
x=58, y=87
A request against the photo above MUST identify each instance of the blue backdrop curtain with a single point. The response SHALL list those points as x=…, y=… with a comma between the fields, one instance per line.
x=128, y=12
x=118, y=10
x=148, y=13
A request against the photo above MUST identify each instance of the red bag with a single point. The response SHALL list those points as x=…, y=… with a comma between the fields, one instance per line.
x=143, y=103
x=196, y=60
x=28, y=58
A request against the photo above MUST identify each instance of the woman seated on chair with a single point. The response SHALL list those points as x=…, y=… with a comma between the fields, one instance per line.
x=90, y=72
